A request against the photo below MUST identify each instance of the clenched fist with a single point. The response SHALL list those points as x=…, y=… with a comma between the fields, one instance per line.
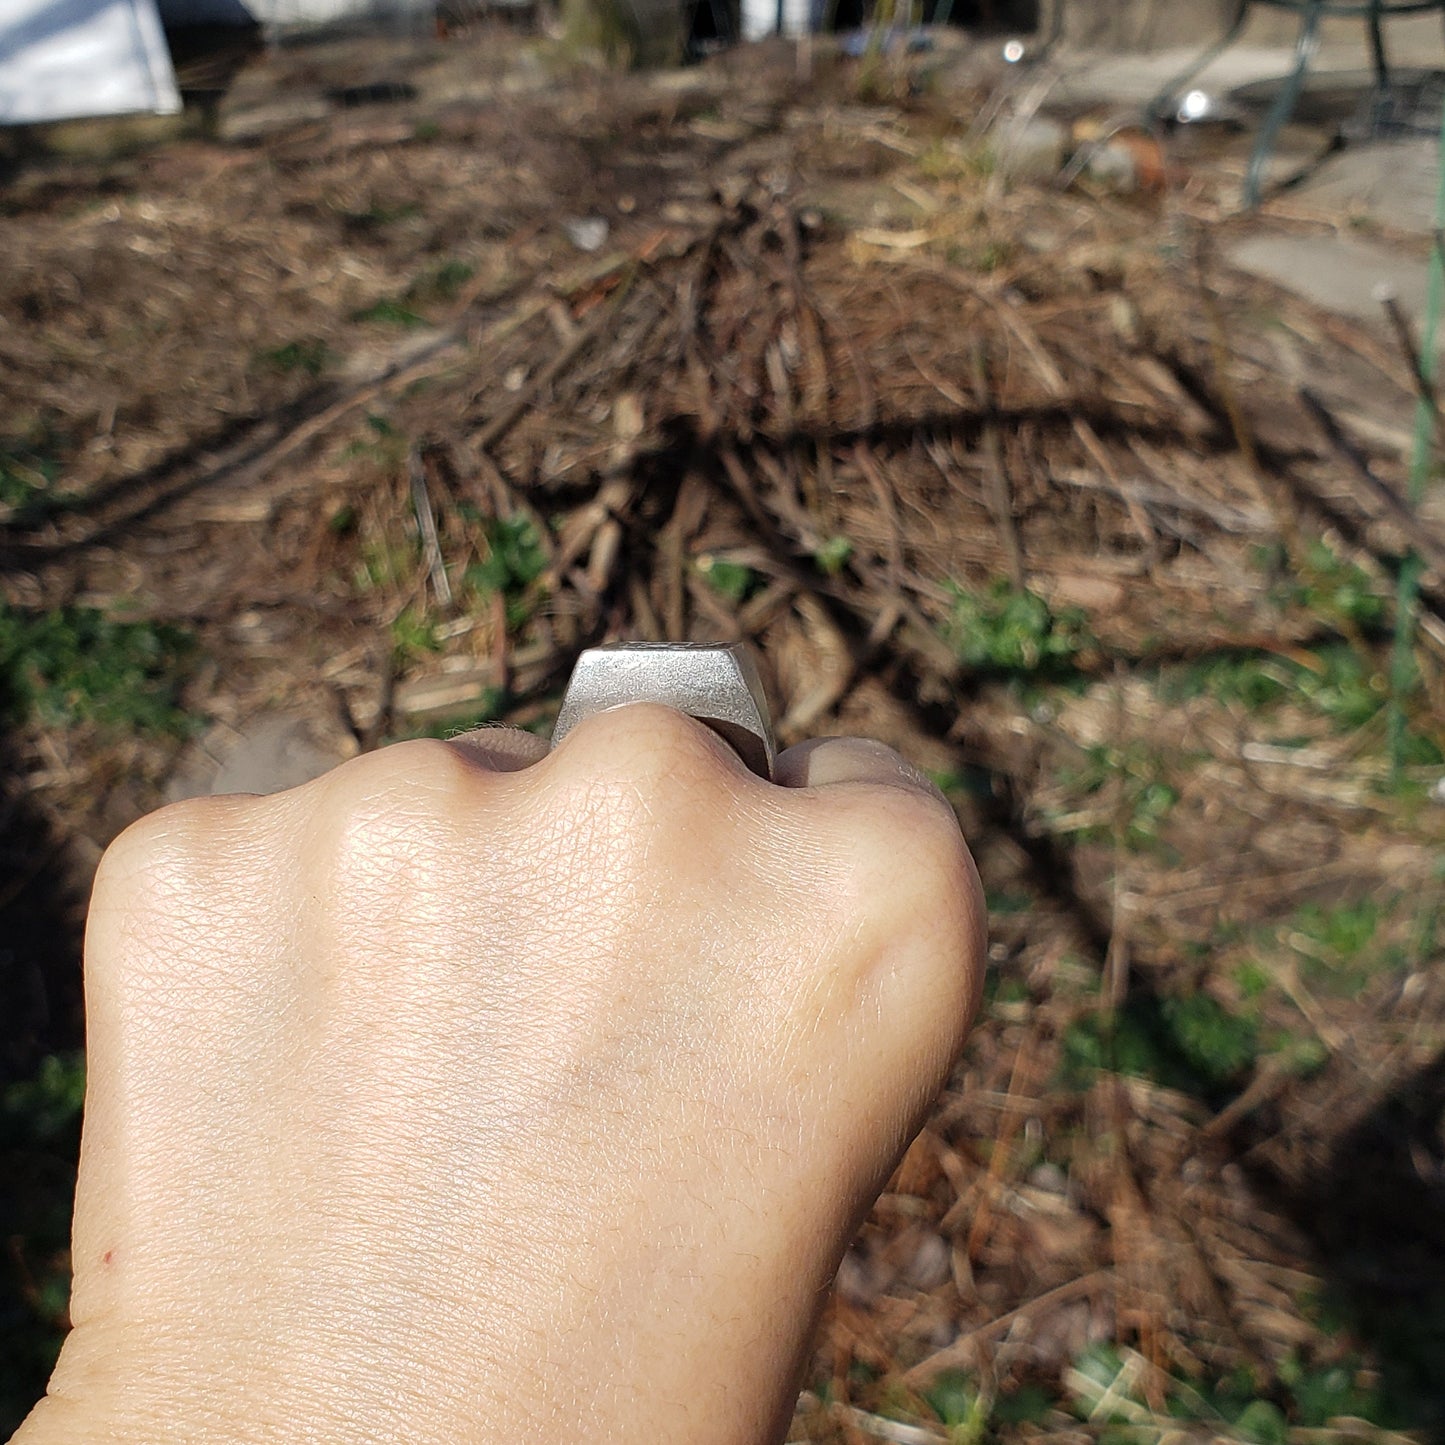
x=472, y=1094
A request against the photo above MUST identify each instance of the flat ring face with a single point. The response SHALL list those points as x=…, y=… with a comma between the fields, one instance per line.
x=715, y=683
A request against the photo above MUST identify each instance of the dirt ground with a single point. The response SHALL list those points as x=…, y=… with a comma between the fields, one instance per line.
x=360, y=416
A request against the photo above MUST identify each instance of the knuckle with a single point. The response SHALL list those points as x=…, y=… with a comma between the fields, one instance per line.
x=421, y=768
x=164, y=887
x=385, y=819
x=175, y=842
x=910, y=858
x=395, y=788
x=911, y=894
x=651, y=750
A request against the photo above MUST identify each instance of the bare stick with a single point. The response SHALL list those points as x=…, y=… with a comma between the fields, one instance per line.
x=996, y=480
x=1399, y=511
x=1405, y=335
x=426, y=522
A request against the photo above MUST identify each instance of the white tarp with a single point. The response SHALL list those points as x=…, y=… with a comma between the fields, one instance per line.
x=61, y=59
x=289, y=14
x=301, y=14
x=64, y=59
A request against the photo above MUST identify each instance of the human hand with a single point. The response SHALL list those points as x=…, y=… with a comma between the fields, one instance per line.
x=468, y=1093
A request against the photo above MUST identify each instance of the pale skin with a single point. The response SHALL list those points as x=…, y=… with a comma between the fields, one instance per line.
x=471, y=1094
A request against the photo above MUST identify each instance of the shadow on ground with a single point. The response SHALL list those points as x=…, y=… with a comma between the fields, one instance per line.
x=42, y=899
x=1376, y=1215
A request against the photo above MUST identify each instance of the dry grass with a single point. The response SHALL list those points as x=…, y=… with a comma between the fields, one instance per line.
x=1021, y=486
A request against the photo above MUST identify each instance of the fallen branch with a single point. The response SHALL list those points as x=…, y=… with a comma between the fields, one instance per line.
x=1417, y=536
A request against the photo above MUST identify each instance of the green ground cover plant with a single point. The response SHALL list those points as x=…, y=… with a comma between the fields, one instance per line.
x=389, y=311
x=513, y=565
x=732, y=581
x=1340, y=948
x=306, y=355
x=832, y=555
x=1344, y=688
x=1007, y=629
x=78, y=665
x=27, y=473
x=1189, y=1042
x=1146, y=794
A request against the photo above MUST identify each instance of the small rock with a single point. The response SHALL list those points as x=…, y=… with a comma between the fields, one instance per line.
x=1049, y=1177
x=627, y=418
x=1030, y=149
x=587, y=233
x=861, y=1277
x=1114, y=167
x=931, y=1262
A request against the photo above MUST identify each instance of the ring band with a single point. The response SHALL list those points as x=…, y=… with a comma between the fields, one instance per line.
x=715, y=683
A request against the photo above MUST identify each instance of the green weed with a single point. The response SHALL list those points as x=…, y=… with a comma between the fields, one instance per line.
x=971, y=782
x=1341, y=947
x=1324, y=585
x=1003, y=902
x=1262, y=1422
x=1344, y=687
x=413, y=635
x=389, y=311
x=1188, y=1042
x=1252, y=680
x=961, y=1407
x=1321, y=1393
x=28, y=474
x=1336, y=683
x=1027, y=1405
x=1006, y=629
x=515, y=557
x=78, y=665
x=1146, y=798
x=1301, y=1396
x=732, y=581
x=515, y=561
x=384, y=562
x=1217, y=1045
x=1253, y=980
x=1344, y=929
x=1104, y=1393
x=442, y=283
x=385, y=445
x=308, y=356
x=1004, y=992
x=832, y=555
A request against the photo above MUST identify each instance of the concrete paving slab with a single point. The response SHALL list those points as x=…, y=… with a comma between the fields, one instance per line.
x=1089, y=78
x=1340, y=273
x=264, y=755
x=1099, y=79
x=1390, y=182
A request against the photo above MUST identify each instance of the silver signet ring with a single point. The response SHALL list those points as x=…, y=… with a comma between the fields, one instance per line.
x=716, y=683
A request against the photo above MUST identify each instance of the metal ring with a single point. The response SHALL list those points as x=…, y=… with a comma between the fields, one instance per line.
x=716, y=683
